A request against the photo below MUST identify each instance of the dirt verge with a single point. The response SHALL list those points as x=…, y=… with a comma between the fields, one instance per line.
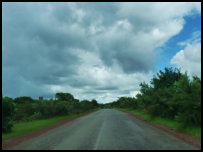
x=16, y=140
x=195, y=141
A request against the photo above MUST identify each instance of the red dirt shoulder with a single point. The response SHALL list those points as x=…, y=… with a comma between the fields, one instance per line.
x=16, y=140
x=195, y=141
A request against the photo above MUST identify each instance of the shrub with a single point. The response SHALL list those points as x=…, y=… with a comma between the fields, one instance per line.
x=35, y=116
x=7, y=114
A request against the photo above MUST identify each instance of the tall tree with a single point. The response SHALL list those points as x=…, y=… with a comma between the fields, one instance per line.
x=64, y=97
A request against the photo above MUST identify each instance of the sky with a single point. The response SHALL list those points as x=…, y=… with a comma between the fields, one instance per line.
x=99, y=51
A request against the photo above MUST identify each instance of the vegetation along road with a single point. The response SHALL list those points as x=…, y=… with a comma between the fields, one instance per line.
x=106, y=129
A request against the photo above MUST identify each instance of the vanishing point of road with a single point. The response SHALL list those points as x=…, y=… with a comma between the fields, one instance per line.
x=106, y=129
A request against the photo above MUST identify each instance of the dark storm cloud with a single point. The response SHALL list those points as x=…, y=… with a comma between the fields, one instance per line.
x=129, y=62
x=14, y=85
x=36, y=55
x=39, y=41
x=36, y=61
x=55, y=37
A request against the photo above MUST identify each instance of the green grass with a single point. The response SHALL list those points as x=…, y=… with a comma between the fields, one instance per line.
x=177, y=126
x=196, y=131
x=26, y=127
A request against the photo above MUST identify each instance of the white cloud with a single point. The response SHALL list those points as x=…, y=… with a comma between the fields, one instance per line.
x=92, y=50
x=150, y=12
x=134, y=93
x=154, y=23
x=132, y=39
x=112, y=81
x=189, y=59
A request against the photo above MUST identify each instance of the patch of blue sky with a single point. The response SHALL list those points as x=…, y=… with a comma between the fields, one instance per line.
x=191, y=28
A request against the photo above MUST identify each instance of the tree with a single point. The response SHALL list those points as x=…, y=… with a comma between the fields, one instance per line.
x=166, y=79
x=187, y=97
x=23, y=99
x=8, y=109
x=94, y=103
x=40, y=98
x=24, y=108
x=64, y=97
x=86, y=105
x=156, y=98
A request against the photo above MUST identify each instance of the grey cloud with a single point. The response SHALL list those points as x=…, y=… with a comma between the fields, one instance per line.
x=104, y=90
x=107, y=11
x=107, y=88
x=77, y=82
x=126, y=55
x=39, y=54
x=55, y=37
x=95, y=92
x=136, y=63
x=13, y=85
x=63, y=13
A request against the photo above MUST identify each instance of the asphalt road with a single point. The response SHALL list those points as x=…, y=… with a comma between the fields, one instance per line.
x=106, y=129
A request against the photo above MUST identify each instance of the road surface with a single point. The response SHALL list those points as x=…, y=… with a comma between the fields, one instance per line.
x=106, y=129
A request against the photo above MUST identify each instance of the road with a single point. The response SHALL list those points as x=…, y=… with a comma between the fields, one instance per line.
x=106, y=129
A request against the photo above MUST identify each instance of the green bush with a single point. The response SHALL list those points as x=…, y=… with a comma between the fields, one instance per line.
x=28, y=109
x=187, y=97
x=7, y=114
x=24, y=110
x=35, y=116
x=171, y=95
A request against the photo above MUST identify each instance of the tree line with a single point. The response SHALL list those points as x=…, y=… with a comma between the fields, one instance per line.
x=21, y=109
x=170, y=94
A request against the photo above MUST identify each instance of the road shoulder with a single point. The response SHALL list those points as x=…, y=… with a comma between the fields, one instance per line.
x=195, y=141
x=16, y=140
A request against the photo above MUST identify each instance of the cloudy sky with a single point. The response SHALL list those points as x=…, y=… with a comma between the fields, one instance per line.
x=95, y=50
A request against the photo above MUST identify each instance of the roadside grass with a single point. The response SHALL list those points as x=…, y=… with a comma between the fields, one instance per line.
x=196, y=131
x=26, y=127
x=193, y=130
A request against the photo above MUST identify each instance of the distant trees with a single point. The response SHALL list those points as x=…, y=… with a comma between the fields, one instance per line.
x=40, y=98
x=123, y=102
x=28, y=109
x=23, y=99
x=94, y=102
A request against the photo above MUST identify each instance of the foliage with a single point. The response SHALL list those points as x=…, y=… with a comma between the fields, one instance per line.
x=166, y=79
x=23, y=99
x=171, y=95
x=7, y=114
x=64, y=97
x=28, y=109
x=187, y=96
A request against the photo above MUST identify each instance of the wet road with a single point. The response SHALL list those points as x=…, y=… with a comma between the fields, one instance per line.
x=106, y=129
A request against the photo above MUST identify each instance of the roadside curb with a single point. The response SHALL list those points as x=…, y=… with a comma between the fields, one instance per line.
x=16, y=140
x=190, y=139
